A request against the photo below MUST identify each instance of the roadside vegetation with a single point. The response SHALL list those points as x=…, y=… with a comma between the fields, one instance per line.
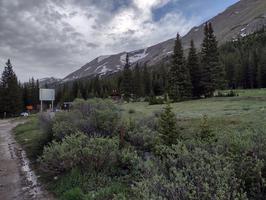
x=201, y=149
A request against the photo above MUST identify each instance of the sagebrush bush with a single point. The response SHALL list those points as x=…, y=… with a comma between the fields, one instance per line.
x=142, y=138
x=65, y=124
x=63, y=129
x=77, y=150
x=153, y=100
x=103, y=116
x=190, y=174
x=73, y=194
x=46, y=122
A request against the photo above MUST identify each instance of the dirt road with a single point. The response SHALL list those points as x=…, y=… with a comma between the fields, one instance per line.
x=17, y=180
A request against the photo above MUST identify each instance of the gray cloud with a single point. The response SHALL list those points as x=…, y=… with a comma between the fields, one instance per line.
x=54, y=37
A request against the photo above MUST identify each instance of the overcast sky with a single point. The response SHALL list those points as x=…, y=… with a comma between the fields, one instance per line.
x=46, y=38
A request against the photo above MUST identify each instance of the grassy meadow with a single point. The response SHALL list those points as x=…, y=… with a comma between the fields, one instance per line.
x=248, y=110
x=86, y=158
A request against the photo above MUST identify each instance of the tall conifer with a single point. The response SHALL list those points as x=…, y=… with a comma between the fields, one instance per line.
x=127, y=80
x=137, y=82
x=212, y=73
x=194, y=68
x=11, y=93
x=146, y=81
x=179, y=77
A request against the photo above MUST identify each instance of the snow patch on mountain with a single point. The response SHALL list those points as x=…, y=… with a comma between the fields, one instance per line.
x=100, y=67
x=101, y=58
x=49, y=81
x=243, y=34
x=134, y=56
x=104, y=70
x=138, y=56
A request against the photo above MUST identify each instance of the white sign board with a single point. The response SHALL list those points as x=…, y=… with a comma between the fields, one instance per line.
x=47, y=94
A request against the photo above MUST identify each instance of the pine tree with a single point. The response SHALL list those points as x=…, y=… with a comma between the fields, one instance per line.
x=97, y=87
x=156, y=84
x=218, y=71
x=146, y=81
x=180, y=87
x=127, y=80
x=11, y=93
x=168, y=131
x=206, y=72
x=137, y=82
x=261, y=74
x=75, y=90
x=213, y=74
x=194, y=68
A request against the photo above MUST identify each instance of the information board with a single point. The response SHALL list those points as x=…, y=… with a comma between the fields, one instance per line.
x=47, y=94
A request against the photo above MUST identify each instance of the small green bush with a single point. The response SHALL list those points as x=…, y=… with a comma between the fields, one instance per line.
x=231, y=93
x=190, y=174
x=77, y=150
x=142, y=138
x=206, y=134
x=103, y=116
x=73, y=194
x=153, y=100
x=131, y=111
x=63, y=129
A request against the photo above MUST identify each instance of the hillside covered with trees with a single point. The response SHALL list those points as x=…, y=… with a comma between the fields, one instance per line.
x=198, y=73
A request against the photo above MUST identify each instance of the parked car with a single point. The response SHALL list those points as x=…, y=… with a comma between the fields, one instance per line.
x=24, y=114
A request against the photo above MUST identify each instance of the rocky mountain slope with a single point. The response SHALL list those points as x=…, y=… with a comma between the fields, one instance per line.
x=239, y=20
x=48, y=81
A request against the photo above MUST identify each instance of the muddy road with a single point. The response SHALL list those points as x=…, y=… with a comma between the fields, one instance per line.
x=17, y=180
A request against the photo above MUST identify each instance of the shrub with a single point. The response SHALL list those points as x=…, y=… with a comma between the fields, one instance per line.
x=103, y=116
x=73, y=194
x=190, y=174
x=168, y=131
x=45, y=122
x=65, y=124
x=61, y=129
x=98, y=154
x=153, y=100
x=128, y=162
x=142, y=138
x=115, y=191
x=131, y=111
x=206, y=134
x=231, y=93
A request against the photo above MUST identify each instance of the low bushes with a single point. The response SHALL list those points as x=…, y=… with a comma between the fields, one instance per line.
x=231, y=93
x=102, y=116
x=153, y=100
x=190, y=174
x=92, y=157
x=79, y=151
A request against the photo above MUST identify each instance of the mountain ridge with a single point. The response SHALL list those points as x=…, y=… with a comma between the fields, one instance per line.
x=238, y=20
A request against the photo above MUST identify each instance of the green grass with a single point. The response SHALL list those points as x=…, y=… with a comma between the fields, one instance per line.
x=30, y=137
x=229, y=117
x=244, y=111
x=238, y=113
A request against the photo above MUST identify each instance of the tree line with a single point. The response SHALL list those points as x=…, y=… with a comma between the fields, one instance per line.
x=15, y=96
x=198, y=75
x=236, y=64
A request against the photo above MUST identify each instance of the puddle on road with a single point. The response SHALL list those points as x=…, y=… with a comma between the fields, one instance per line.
x=31, y=179
x=31, y=184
